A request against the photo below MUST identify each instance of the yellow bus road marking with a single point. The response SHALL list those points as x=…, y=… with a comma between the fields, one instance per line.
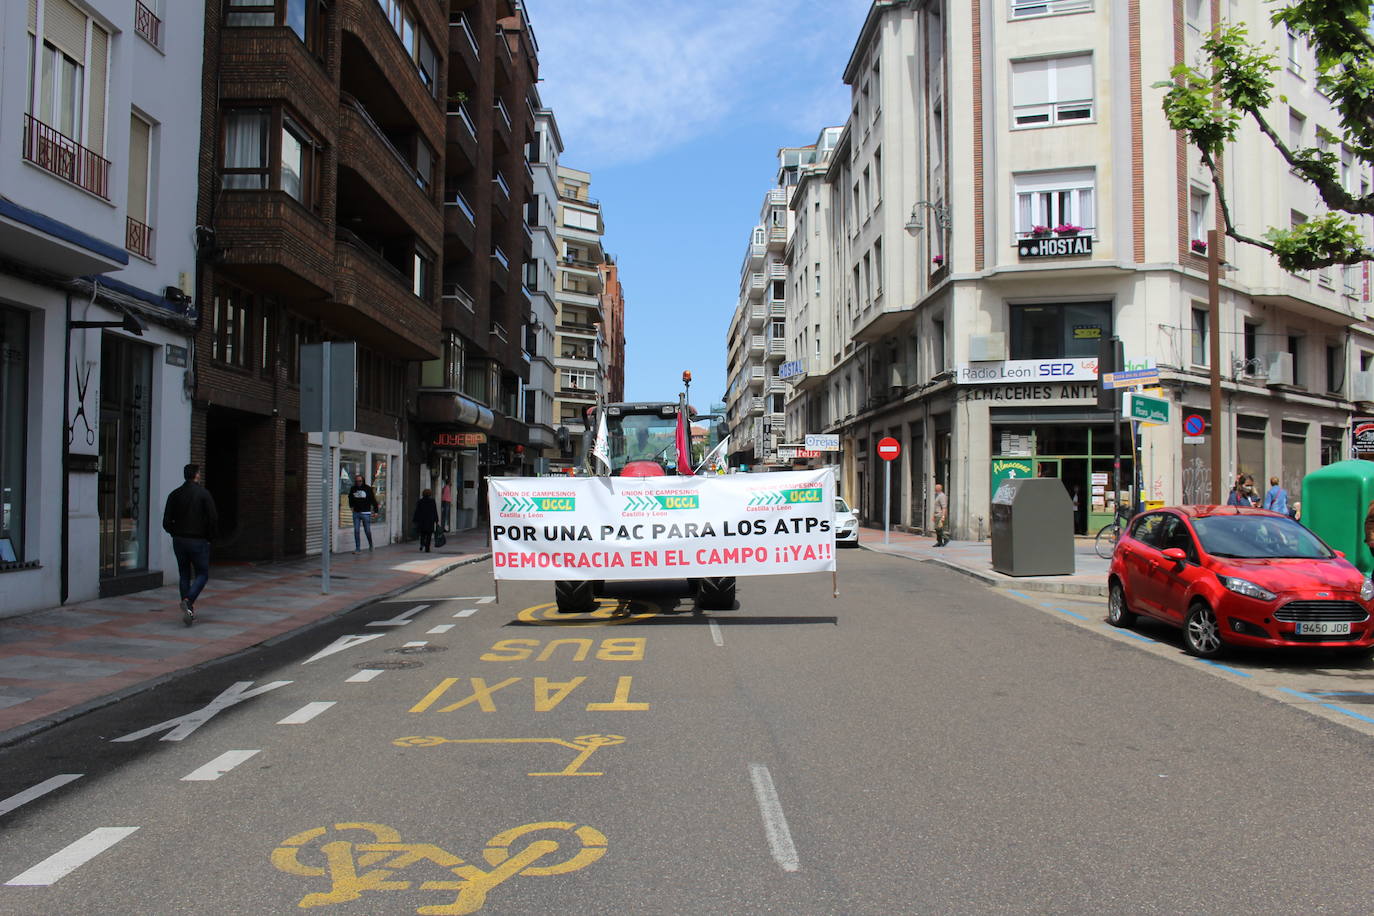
x=624, y=649
x=547, y=695
x=585, y=745
x=362, y=857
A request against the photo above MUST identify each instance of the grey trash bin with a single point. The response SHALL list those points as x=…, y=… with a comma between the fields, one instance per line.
x=1032, y=528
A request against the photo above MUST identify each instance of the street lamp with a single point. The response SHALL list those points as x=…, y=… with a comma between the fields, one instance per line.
x=917, y=222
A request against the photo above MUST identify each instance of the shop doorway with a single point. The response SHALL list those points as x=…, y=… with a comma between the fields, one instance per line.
x=125, y=441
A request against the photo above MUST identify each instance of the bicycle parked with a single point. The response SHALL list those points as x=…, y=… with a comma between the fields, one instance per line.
x=1105, y=543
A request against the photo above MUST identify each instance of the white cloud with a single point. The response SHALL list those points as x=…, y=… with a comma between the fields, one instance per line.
x=631, y=78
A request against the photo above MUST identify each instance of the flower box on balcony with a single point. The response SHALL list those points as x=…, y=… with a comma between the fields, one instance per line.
x=1199, y=246
x=1067, y=229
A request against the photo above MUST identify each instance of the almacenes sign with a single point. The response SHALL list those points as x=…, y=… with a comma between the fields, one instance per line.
x=1055, y=246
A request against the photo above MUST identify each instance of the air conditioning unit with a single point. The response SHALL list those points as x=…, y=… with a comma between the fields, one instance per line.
x=984, y=348
x=1277, y=367
x=1362, y=386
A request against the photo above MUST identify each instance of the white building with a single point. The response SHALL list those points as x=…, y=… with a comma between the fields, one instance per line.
x=541, y=279
x=98, y=186
x=966, y=327
x=580, y=354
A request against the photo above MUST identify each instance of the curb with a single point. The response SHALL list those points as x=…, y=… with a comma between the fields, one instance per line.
x=29, y=729
x=1056, y=588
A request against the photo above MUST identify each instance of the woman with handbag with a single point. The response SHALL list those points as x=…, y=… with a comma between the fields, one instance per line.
x=425, y=518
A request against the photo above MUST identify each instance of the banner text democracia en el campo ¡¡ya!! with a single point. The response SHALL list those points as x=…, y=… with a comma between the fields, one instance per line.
x=662, y=527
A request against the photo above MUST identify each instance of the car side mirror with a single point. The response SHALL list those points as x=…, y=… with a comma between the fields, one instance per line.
x=1176, y=554
x=1340, y=553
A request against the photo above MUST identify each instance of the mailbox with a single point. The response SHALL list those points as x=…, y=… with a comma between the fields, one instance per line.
x=1032, y=528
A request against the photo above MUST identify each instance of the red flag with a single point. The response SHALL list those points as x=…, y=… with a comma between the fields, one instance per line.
x=684, y=453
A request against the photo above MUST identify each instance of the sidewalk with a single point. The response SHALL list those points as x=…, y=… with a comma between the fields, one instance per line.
x=974, y=558
x=57, y=663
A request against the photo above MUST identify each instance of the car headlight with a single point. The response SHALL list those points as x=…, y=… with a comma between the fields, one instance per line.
x=1247, y=588
x=1367, y=589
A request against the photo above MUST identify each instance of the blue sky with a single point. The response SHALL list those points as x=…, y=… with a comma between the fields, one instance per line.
x=678, y=109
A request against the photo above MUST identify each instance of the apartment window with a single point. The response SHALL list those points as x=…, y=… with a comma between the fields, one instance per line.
x=422, y=273
x=1335, y=369
x=267, y=337
x=1199, y=337
x=1295, y=351
x=938, y=344
x=779, y=290
x=1026, y=9
x=250, y=13
x=424, y=165
x=1250, y=343
x=1050, y=91
x=877, y=84
x=138, y=236
x=878, y=268
x=1052, y=199
x=1199, y=214
x=1071, y=329
x=877, y=176
x=230, y=327
x=1294, y=45
x=579, y=379
x=245, y=148
x=868, y=191
x=778, y=330
x=868, y=279
x=1297, y=128
x=816, y=273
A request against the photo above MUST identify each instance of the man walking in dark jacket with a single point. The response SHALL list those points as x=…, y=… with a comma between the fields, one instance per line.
x=190, y=518
x=363, y=501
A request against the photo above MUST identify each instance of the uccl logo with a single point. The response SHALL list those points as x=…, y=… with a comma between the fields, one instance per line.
x=787, y=497
x=656, y=503
x=539, y=504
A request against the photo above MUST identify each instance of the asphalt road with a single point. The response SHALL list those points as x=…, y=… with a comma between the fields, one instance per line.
x=921, y=745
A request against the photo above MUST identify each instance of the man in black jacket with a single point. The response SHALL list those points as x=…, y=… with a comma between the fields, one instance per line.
x=190, y=518
x=362, y=499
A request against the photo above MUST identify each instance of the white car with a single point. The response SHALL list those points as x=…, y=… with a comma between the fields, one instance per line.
x=846, y=523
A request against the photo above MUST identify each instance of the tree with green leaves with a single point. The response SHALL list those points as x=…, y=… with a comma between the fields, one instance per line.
x=1210, y=103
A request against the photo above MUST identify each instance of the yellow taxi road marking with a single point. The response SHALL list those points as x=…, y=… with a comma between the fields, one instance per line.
x=219, y=766
x=716, y=636
x=399, y=620
x=362, y=677
x=67, y=860
x=38, y=791
x=306, y=713
x=547, y=694
x=182, y=726
x=441, y=628
x=342, y=643
x=774, y=821
x=585, y=745
x=372, y=854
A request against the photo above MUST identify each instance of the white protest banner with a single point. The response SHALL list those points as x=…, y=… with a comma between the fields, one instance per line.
x=662, y=527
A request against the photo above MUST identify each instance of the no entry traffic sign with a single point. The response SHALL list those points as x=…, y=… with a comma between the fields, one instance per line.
x=1194, y=425
x=889, y=448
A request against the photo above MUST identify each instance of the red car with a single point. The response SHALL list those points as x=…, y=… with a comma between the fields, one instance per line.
x=1241, y=577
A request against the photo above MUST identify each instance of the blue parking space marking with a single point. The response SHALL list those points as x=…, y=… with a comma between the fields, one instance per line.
x=1297, y=693
x=1022, y=595
x=1062, y=610
x=1344, y=693
x=1111, y=629
x=1349, y=712
x=1227, y=668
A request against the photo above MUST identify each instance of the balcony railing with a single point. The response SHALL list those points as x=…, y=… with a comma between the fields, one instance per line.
x=138, y=238
x=455, y=293
x=461, y=203
x=500, y=107
x=147, y=24
x=64, y=157
x=461, y=23
x=462, y=112
x=498, y=330
x=500, y=182
x=500, y=256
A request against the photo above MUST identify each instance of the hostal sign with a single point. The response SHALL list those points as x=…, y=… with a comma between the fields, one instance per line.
x=1055, y=246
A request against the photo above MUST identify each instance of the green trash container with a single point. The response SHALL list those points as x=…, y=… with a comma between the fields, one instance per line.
x=1335, y=500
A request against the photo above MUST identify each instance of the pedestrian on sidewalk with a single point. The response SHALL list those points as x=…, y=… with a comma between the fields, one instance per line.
x=425, y=518
x=940, y=515
x=446, y=501
x=190, y=518
x=363, y=501
x=1276, y=497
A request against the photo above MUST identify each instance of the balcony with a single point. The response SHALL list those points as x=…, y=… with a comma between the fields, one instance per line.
x=460, y=221
x=577, y=327
x=500, y=268
x=273, y=236
x=449, y=407
x=500, y=196
x=756, y=376
x=501, y=129
x=756, y=407
x=777, y=271
x=54, y=151
x=756, y=285
x=455, y=293
x=777, y=238
x=758, y=315
x=365, y=151
x=138, y=238
x=756, y=252
x=378, y=305
x=147, y=25
x=461, y=136
x=777, y=197
x=777, y=308
x=757, y=345
x=777, y=349
x=463, y=45
x=498, y=330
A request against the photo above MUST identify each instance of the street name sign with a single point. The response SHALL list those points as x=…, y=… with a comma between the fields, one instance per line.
x=1133, y=379
x=1149, y=410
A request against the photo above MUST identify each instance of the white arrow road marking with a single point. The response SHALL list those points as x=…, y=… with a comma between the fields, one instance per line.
x=306, y=713
x=68, y=860
x=182, y=726
x=218, y=767
x=466, y=613
x=362, y=677
x=774, y=823
x=716, y=636
x=38, y=791
x=441, y=628
x=399, y=620
x=343, y=642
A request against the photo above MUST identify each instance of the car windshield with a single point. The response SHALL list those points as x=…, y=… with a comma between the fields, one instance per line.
x=841, y=505
x=642, y=437
x=1258, y=537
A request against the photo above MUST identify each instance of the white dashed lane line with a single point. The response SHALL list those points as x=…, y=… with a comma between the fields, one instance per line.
x=219, y=766
x=467, y=612
x=716, y=636
x=362, y=677
x=306, y=713
x=38, y=791
x=441, y=628
x=415, y=645
x=68, y=860
x=774, y=822
x=399, y=620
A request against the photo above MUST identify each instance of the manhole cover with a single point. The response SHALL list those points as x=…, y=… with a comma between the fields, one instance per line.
x=418, y=650
x=389, y=664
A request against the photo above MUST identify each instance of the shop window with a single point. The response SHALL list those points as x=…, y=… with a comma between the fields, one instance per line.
x=1057, y=331
x=125, y=437
x=1332, y=445
x=14, y=377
